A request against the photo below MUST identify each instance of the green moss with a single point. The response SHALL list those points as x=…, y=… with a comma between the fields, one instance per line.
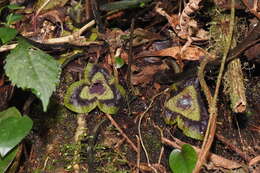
x=152, y=142
x=110, y=161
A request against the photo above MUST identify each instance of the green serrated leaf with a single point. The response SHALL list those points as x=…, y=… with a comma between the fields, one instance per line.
x=14, y=128
x=184, y=160
x=30, y=68
x=7, y=34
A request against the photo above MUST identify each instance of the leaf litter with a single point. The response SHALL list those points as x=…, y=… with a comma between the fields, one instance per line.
x=160, y=33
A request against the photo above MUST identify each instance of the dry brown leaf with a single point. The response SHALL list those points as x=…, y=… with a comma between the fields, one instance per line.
x=253, y=6
x=191, y=53
x=147, y=73
x=254, y=160
x=219, y=161
x=184, y=25
x=142, y=36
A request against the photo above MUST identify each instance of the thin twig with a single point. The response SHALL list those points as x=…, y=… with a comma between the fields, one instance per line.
x=139, y=127
x=75, y=38
x=160, y=156
x=138, y=156
x=208, y=139
x=130, y=55
x=41, y=7
x=162, y=149
x=202, y=81
x=7, y=47
x=121, y=132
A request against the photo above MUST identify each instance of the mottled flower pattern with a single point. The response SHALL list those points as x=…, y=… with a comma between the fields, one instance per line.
x=186, y=108
x=97, y=89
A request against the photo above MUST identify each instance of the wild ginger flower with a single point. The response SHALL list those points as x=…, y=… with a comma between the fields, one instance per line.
x=97, y=89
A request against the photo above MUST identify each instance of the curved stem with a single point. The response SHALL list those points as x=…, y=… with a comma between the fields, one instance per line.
x=213, y=104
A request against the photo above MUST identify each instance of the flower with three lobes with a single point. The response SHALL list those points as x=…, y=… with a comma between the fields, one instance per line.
x=186, y=108
x=97, y=89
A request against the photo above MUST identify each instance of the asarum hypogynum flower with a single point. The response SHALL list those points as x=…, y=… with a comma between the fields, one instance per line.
x=186, y=108
x=97, y=89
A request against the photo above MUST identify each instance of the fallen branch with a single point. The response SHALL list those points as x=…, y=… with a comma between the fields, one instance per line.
x=212, y=101
x=122, y=132
x=74, y=39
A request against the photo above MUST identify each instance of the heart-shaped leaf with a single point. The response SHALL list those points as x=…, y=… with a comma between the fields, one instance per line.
x=184, y=160
x=14, y=128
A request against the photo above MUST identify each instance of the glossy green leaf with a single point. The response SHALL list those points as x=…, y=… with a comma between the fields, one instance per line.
x=6, y=161
x=119, y=62
x=184, y=160
x=7, y=34
x=14, y=128
x=30, y=68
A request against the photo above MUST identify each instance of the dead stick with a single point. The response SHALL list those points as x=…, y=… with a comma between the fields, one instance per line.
x=138, y=154
x=122, y=132
x=209, y=137
x=130, y=55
